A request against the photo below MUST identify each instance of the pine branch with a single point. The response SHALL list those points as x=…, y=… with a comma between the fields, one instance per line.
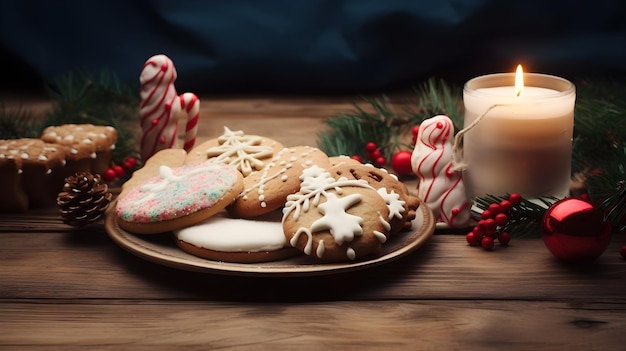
x=348, y=133
x=17, y=123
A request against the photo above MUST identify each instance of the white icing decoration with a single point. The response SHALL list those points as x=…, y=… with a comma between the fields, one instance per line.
x=350, y=253
x=394, y=204
x=380, y=236
x=222, y=233
x=342, y=225
x=309, y=242
x=320, y=249
x=242, y=151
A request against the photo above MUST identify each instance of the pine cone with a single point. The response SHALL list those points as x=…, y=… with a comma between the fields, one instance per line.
x=83, y=199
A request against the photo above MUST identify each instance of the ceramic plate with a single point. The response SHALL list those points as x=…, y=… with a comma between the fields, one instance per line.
x=161, y=249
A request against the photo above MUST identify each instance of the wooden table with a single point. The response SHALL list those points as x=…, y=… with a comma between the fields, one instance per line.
x=62, y=288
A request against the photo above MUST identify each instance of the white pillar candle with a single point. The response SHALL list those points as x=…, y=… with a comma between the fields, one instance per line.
x=523, y=143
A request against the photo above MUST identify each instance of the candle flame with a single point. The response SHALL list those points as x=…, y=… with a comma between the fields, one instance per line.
x=519, y=80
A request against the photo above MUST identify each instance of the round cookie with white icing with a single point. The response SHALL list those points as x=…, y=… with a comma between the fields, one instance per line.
x=178, y=197
x=266, y=190
x=247, y=153
x=402, y=205
x=335, y=219
x=226, y=239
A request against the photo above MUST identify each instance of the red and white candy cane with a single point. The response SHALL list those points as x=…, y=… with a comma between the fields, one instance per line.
x=190, y=104
x=161, y=108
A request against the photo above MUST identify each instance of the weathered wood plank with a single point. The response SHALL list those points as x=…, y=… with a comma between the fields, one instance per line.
x=439, y=325
x=89, y=265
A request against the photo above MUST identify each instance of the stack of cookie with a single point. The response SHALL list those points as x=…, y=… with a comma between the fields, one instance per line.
x=247, y=198
x=33, y=170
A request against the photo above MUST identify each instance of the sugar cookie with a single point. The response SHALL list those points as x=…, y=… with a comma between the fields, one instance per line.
x=178, y=197
x=222, y=238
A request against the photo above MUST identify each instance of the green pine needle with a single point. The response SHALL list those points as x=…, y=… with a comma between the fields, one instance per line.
x=348, y=133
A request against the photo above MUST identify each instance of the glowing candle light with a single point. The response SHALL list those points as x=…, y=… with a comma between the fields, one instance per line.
x=523, y=140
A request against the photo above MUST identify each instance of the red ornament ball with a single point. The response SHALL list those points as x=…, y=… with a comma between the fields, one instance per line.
x=574, y=231
x=401, y=163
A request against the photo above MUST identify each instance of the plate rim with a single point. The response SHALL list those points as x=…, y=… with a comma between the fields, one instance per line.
x=131, y=243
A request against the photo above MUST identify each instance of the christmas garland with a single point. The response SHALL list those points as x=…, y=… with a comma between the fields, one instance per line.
x=598, y=151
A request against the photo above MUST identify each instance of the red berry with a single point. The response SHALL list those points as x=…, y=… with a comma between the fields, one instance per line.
x=487, y=243
x=472, y=238
x=495, y=209
x=109, y=175
x=357, y=158
x=415, y=130
x=130, y=163
x=515, y=199
x=370, y=147
x=501, y=219
x=380, y=161
x=506, y=206
x=376, y=154
x=119, y=170
x=504, y=238
x=490, y=224
x=622, y=251
x=479, y=231
x=486, y=214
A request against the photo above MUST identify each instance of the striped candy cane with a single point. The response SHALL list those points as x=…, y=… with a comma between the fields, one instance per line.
x=190, y=105
x=161, y=108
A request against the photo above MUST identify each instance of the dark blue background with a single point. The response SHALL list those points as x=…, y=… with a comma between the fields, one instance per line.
x=310, y=46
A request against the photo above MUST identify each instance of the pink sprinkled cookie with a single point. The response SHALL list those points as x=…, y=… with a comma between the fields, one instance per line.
x=178, y=197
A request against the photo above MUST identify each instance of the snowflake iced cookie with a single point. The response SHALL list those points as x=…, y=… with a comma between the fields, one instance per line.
x=402, y=205
x=335, y=219
x=266, y=190
x=178, y=197
x=248, y=153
